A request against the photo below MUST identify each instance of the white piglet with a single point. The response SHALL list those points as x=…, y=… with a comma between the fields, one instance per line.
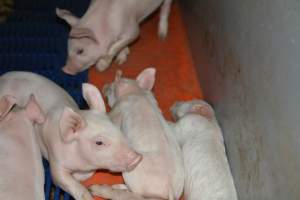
x=207, y=172
x=21, y=174
x=160, y=174
x=106, y=30
x=75, y=142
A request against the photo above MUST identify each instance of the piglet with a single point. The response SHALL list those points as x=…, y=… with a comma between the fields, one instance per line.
x=135, y=110
x=21, y=174
x=75, y=142
x=106, y=30
x=207, y=172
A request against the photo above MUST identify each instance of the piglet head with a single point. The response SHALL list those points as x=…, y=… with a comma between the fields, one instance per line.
x=83, y=46
x=98, y=142
x=123, y=86
x=200, y=107
x=83, y=51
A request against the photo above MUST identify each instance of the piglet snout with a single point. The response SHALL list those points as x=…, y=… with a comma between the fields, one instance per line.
x=69, y=70
x=135, y=159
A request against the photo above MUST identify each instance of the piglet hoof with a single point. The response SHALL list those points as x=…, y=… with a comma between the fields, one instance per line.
x=87, y=196
x=103, y=64
x=96, y=190
x=163, y=30
x=103, y=191
x=120, y=187
x=122, y=56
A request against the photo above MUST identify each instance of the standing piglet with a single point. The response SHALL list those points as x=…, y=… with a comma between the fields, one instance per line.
x=207, y=172
x=75, y=142
x=21, y=174
x=106, y=30
x=135, y=110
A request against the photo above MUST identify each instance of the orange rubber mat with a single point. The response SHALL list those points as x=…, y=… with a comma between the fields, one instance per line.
x=175, y=77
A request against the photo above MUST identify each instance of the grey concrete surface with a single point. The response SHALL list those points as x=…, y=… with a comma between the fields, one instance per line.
x=247, y=55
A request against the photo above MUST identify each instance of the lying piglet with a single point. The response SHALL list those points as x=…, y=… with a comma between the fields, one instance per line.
x=135, y=110
x=21, y=174
x=106, y=30
x=76, y=142
x=207, y=172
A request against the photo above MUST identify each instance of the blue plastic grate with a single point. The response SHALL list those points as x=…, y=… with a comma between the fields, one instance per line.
x=34, y=39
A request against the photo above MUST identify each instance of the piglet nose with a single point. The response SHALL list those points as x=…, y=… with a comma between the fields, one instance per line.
x=135, y=161
x=69, y=70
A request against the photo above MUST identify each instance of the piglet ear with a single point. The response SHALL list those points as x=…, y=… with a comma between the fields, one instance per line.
x=204, y=110
x=70, y=125
x=6, y=104
x=83, y=33
x=146, y=78
x=34, y=111
x=67, y=16
x=93, y=97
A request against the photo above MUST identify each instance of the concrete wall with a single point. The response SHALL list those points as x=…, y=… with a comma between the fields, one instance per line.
x=249, y=71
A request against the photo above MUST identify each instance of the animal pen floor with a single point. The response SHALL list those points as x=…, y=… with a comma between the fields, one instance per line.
x=176, y=77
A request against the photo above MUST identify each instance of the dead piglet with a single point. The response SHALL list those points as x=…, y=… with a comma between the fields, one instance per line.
x=207, y=172
x=75, y=142
x=106, y=30
x=21, y=174
x=135, y=110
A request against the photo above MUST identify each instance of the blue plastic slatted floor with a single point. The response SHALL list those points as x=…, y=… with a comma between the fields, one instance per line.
x=34, y=39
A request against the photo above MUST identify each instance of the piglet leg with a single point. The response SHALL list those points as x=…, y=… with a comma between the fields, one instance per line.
x=123, y=41
x=81, y=176
x=69, y=184
x=110, y=192
x=103, y=63
x=105, y=191
x=122, y=56
x=117, y=47
x=163, y=19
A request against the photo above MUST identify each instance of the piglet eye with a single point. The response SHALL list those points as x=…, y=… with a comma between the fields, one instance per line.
x=99, y=143
x=79, y=51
